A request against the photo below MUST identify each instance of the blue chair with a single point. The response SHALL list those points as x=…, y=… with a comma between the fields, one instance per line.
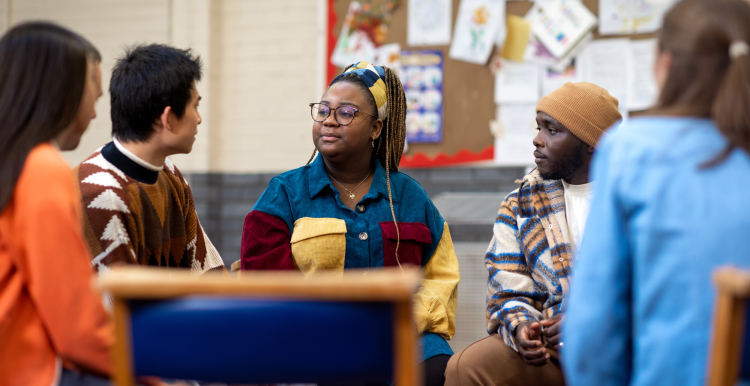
x=730, y=352
x=266, y=327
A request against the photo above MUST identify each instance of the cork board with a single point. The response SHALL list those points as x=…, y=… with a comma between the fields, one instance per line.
x=468, y=89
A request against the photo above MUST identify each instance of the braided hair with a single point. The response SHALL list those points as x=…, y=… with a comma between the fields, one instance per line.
x=389, y=146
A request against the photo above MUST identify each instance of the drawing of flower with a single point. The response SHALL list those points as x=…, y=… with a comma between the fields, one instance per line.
x=476, y=39
x=480, y=16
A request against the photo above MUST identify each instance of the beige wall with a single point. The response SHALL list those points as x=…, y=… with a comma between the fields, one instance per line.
x=263, y=63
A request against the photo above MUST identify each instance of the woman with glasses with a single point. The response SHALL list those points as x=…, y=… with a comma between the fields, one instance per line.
x=351, y=208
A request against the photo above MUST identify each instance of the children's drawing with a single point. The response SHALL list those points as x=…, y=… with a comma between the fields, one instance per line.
x=477, y=27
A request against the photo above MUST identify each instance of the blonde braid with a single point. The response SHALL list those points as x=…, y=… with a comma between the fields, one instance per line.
x=396, y=121
x=395, y=128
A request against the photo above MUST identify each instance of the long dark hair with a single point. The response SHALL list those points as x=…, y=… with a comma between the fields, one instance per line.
x=703, y=80
x=43, y=75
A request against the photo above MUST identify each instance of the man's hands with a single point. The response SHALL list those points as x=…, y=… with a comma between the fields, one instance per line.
x=529, y=339
x=529, y=343
x=552, y=330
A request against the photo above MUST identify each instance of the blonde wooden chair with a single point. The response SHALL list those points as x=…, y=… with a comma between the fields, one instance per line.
x=237, y=267
x=730, y=351
x=266, y=327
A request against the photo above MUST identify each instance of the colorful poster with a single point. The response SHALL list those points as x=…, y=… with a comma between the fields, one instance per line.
x=363, y=31
x=353, y=45
x=476, y=31
x=429, y=22
x=423, y=85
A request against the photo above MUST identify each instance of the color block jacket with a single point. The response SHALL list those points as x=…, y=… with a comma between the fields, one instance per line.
x=300, y=223
x=529, y=258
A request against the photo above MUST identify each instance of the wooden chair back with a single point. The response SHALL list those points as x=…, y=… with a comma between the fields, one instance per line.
x=280, y=314
x=730, y=351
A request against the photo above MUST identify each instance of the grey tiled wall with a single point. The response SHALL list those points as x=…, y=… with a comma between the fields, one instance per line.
x=223, y=200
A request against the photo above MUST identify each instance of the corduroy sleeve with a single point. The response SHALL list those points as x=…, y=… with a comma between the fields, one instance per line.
x=512, y=295
x=435, y=302
x=266, y=236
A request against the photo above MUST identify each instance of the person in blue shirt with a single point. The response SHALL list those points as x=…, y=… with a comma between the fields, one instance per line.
x=351, y=208
x=671, y=207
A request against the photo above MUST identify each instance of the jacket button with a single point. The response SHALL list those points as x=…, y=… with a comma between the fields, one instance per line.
x=363, y=236
x=361, y=208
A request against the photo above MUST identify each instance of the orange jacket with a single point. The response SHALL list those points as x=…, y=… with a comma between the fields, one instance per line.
x=48, y=312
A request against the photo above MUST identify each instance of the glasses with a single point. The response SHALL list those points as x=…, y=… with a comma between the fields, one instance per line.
x=343, y=114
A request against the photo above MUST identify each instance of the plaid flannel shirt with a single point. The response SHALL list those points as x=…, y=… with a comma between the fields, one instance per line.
x=529, y=259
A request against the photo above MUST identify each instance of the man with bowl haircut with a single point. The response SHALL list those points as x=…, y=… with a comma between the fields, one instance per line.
x=536, y=233
x=138, y=207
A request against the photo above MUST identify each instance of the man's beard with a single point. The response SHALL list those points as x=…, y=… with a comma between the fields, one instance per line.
x=565, y=166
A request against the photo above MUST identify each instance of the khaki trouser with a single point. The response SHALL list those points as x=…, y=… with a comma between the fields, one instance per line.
x=491, y=362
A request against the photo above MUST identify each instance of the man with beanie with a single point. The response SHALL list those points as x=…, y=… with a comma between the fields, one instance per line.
x=536, y=232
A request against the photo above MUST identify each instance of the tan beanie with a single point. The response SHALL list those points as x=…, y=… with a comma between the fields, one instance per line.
x=586, y=109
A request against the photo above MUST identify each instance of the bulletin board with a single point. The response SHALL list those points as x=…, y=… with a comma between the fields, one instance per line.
x=468, y=89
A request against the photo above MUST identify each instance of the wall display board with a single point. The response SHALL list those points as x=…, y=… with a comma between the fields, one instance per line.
x=423, y=84
x=468, y=130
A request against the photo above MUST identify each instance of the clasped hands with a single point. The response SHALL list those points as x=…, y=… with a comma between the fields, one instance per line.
x=529, y=339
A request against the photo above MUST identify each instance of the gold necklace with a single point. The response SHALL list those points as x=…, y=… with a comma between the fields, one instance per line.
x=351, y=194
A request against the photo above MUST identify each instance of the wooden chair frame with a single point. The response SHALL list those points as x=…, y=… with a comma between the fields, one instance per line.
x=733, y=294
x=386, y=285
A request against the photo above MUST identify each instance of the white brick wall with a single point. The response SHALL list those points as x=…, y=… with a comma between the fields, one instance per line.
x=110, y=25
x=3, y=15
x=191, y=22
x=264, y=62
x=268, y=76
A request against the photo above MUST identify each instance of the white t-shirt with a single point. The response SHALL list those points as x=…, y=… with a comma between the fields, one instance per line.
x=577, y=208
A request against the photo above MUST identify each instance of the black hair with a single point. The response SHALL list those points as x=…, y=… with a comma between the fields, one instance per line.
x=43, y=75
x=147, y=79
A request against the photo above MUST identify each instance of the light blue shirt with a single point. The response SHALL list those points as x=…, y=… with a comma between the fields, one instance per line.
x=642, y=298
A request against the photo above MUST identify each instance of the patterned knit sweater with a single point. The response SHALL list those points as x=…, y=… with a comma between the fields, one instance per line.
x=137, y=214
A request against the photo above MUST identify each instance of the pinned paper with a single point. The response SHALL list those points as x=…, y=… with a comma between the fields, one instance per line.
x=642, y=88
x=502, y=30
x=606, y=63
x=517, y=83
x=552, y=80
x=353, y=45
x=429, y=22
x=537, y=53
x=514, y=129
x=561, y=24
x=476, y=30
x=516, y=39
x=631, y=16
x=389, y=55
